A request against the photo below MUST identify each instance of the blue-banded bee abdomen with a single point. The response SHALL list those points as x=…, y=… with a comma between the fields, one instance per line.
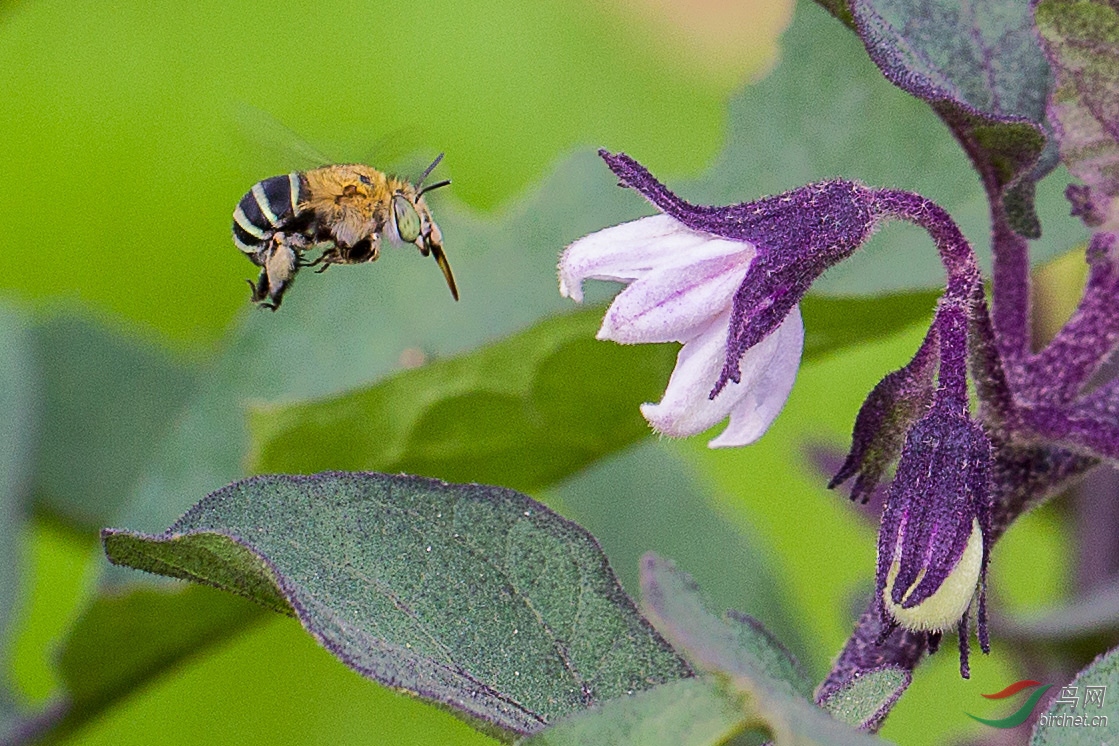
x=269, y=206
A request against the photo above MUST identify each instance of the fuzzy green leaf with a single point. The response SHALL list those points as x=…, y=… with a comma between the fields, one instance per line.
x=475, y=597
x=981, y=68
x=865, y=701
x=1091, y=721
x=692, y=712
x=748, y=656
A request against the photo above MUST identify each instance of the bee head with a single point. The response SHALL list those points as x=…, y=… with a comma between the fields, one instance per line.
x=408, y=224
x=407, y=206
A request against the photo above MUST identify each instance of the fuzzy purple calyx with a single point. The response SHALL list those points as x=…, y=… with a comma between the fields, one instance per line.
x=798, y=235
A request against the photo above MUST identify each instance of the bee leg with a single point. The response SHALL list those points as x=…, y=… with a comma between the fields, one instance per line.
x=279, y=270
x=260, y=287
x=365, y=250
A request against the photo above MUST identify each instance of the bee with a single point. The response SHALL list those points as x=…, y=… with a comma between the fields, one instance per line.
x=342, y=209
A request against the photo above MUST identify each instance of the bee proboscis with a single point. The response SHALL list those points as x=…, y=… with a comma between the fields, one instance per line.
x=342, y=209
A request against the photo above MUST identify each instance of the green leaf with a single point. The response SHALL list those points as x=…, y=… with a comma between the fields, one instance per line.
x=747, y=655
x=490, y=415
x=108, y=399
x=475, y=597
x=865, y=701
x=1095, y=615
x=1091, y=721
x=19, y=413
x=525, y=411
x=1082, y=39
x=692, y=712
x=982, y=70
x=122, y=641
x=830, y=324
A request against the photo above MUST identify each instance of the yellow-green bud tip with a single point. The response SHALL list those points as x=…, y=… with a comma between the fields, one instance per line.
x=943, y=608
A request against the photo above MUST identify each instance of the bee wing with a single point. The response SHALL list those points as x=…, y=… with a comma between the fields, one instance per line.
x=279, y=146
x=441, y=260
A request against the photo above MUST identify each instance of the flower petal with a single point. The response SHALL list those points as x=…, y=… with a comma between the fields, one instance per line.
x=628, y=251
x=753, y=415
x=768, y=371
x=670, y=304
x=685, y=409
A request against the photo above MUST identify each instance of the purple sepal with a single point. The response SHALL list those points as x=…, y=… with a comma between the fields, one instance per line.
x=798, y=235
x=886, y=415
x=965, y=646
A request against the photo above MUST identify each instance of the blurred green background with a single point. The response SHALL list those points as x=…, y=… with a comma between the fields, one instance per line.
x=130, y=350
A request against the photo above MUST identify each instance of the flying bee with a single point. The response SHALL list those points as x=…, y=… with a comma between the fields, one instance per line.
x=344, y=210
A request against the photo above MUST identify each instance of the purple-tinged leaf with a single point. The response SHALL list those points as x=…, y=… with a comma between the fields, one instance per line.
x=739, y=650
x=980, y=67
x=1082, y=40
x=474, y=597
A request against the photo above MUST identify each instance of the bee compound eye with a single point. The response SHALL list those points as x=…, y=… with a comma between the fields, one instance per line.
x=407, y=219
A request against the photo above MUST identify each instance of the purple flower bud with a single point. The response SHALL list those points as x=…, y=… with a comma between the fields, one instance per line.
x=932, y=545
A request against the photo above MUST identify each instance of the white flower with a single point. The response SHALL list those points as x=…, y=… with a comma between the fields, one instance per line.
x=681, y=283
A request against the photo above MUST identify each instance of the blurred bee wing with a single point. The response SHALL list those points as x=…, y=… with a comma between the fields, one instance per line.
x=274, y=146
x=441, y=260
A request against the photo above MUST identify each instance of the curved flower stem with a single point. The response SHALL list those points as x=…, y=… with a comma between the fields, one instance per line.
x=964, y=287
x=955, y=252
x=1010, y=280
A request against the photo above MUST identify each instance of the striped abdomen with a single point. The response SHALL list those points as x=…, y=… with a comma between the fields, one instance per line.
x=267, y=207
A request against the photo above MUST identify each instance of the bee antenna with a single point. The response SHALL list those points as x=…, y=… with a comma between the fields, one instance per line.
x=430, y=168
x=433, y=187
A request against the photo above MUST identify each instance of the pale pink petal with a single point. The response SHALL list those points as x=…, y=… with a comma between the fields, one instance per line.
x=768, y=371
x=672, y=304
x=631, y=250
x=685, y=408
x=756, y=411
